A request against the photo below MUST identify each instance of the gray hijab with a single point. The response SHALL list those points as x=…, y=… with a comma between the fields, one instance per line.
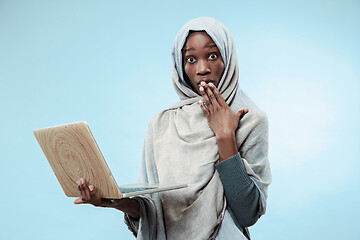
x=223, y=40
x=180, y=147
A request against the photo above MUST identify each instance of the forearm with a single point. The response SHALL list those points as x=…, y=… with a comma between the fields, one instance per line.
x=128, y=206
x=241, y=193
x=226, y=145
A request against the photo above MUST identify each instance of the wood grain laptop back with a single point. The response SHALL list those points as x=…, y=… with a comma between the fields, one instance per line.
x=73, y=154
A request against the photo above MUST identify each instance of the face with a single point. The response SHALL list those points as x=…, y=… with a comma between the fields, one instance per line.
x=202, y=60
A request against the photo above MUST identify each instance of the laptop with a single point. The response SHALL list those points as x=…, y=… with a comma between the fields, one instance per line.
x=73, y=154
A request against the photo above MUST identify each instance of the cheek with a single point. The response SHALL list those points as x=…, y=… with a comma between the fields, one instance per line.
x=220, y=69
x=188, y=71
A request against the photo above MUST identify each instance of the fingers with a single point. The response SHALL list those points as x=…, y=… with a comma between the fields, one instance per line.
x=79, y=201
x=87, y=191
x=80, y=187
x=95, y=197
x=210, y=98
x=220, y=100
x=85, y=194
x=241, y=113
x=204, y=108
x=96, y=200
x=88, y=194
x=206, y=101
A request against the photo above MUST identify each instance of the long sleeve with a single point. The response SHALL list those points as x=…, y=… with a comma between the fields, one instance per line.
x=241, y=193
x=144, y=227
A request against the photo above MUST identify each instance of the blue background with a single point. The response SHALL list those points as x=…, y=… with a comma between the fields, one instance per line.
x=108, y=63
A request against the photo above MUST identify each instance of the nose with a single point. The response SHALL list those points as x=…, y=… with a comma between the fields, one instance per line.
x=202, y=68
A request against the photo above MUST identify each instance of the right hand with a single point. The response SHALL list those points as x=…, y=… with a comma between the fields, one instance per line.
x=89, y=195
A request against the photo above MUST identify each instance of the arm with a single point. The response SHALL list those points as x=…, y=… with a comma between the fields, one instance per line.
x=222, y=121
x=143, y=214
x=241, y=192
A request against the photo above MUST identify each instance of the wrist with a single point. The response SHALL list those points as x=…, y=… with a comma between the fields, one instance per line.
x=128, y=206
x=226, y=145
x=225, y=136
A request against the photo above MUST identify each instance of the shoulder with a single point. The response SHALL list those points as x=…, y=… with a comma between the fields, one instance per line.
x=253, y=128
x=256, y=117
x=159, y=118
x=160, y=121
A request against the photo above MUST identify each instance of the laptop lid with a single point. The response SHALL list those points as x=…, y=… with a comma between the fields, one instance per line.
x=73, y=154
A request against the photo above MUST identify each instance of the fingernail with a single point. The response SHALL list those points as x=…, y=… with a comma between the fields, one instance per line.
x=203, y=83
x=200, y=102
x=201, y=89
x=82, y=181
x=211, y=84
x=91, y=187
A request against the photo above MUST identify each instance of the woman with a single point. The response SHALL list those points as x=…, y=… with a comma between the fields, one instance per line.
x=201, y=141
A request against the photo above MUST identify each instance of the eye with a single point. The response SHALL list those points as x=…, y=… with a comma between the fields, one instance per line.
x=190, y=59
x=213, y=56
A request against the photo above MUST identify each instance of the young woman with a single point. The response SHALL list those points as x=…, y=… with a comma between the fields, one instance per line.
x=214, y=138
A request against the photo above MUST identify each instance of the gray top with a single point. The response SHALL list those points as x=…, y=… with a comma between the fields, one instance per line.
x=180, y=147
x=242, y=195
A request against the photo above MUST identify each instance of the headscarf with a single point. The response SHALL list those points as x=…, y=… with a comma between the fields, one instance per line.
x=180, y=147
x=223, y=40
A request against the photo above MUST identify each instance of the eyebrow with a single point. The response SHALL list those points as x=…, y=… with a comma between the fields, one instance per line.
x=189, y=49
x=211, y=45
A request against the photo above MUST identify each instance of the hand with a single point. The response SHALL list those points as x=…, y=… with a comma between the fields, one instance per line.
x=221, y=119
x=89, y=195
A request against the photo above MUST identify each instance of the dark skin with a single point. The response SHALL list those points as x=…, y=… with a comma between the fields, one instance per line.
x=89, y=195
x=222, y=121
x=203, y=66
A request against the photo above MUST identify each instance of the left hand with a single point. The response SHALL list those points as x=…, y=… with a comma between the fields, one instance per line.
x=222, y=121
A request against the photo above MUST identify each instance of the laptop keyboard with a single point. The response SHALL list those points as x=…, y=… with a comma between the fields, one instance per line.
x=134, y=189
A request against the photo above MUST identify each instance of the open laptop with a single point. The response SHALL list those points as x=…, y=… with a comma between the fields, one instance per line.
x=74, y=154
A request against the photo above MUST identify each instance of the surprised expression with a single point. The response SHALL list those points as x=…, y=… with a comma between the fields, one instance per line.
x=202, y=60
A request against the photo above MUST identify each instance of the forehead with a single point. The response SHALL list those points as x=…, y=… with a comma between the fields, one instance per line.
x=198, y=40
